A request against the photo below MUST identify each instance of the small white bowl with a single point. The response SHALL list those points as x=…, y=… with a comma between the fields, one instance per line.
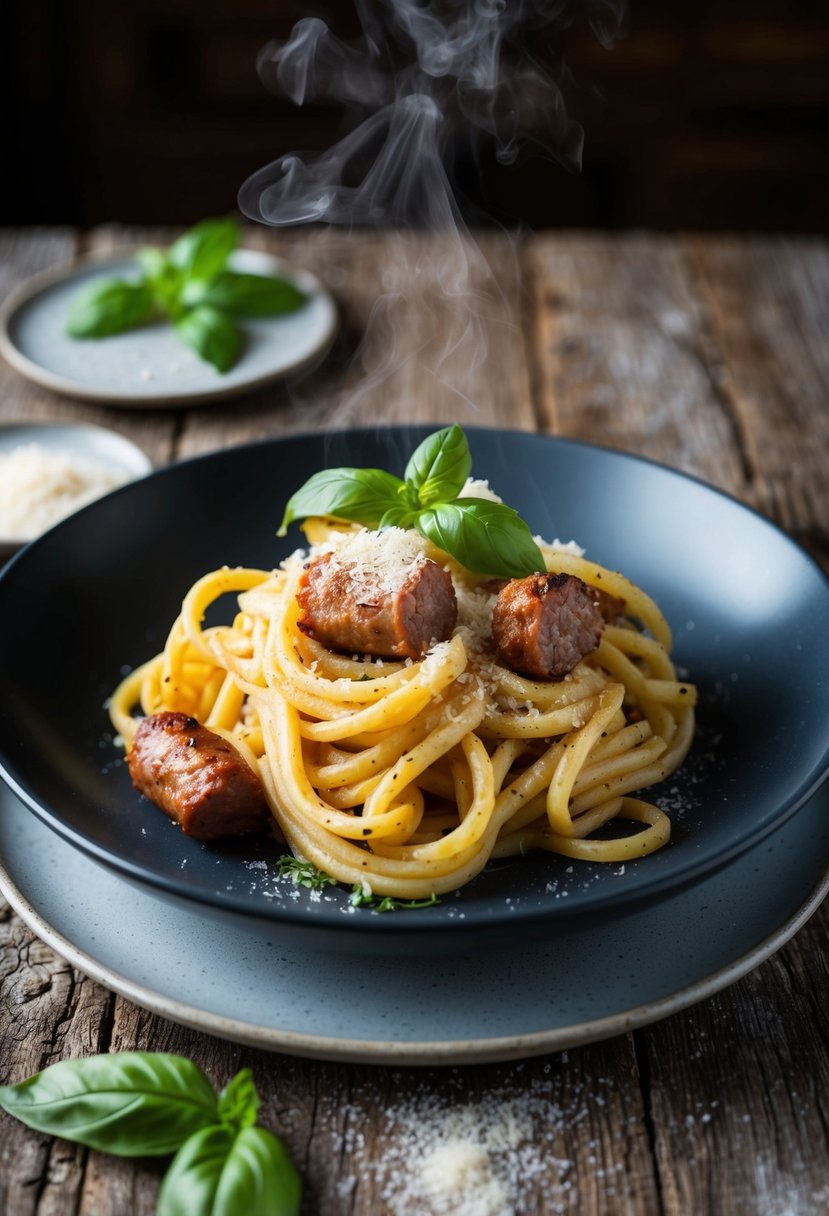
x=95, y=444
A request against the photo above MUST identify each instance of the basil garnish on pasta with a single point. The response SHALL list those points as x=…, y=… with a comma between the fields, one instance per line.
x=487, y=538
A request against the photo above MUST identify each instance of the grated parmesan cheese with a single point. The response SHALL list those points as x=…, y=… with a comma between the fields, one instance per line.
x=383, y=559
x=458, y=1174
x=458, y=1154
x=474, y=615
x=477, y=488
x=39, y=487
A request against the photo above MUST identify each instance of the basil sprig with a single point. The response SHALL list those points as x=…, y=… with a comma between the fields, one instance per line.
x=488, y=538
x=192, y=287
x=145, y=1104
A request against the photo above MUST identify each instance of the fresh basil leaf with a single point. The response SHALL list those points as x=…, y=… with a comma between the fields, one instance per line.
x=190, y=1184
x=152, y=261
x=259, y=1178
x=131, y=1103
x=217, y=1173
x=360, y=495
x=397, y=517
x=439, y=467
x=485, y=537
x=109, y=306
x=212, y=335
x=246, y=295
x=203, y=251
x=239, y=1101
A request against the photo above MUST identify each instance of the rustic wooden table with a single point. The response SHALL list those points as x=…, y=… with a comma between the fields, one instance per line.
x=707, y=353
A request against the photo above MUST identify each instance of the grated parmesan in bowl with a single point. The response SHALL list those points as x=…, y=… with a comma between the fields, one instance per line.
x=47, y=472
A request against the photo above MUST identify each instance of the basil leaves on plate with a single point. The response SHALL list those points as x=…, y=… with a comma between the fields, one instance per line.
x=192, y=287
x=146, y=1104
x=486, y=537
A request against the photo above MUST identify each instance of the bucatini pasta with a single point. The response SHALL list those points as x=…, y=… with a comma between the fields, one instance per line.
x=407, y=776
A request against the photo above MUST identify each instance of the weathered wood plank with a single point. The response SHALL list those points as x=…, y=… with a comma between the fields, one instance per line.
x=739, y=1090
x=563, y=1133
x=48, y=1012
x=621, y=353
x=768, y=302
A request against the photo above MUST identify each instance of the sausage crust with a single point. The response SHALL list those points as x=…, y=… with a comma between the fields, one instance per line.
x=545, y=624
x=196, y=777
x=348, y=611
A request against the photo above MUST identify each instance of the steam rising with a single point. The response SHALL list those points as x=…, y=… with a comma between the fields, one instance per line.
x=426, y=80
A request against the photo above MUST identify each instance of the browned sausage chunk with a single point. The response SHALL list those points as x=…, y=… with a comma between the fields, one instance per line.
x=612, y=607
x=349, y=609
x=545, y=624
x=196, y=777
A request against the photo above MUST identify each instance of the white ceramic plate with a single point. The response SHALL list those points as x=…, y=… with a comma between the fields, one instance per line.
x=240, y=978
x=149, y=366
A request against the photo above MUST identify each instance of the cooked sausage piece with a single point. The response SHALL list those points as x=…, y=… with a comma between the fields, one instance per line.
x=545, y=624
x=610, y=606
x=196, y=777
x=356, y=611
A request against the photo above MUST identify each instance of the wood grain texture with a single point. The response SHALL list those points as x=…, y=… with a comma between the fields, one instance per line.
x=623, y=355
x=768, y=302
x=739, y=1090
x=706, y=353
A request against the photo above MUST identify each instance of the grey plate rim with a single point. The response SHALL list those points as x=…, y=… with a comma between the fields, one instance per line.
x=61, y=272
x=387, y=1052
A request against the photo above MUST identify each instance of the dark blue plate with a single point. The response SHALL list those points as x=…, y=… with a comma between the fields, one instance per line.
x=97, y=594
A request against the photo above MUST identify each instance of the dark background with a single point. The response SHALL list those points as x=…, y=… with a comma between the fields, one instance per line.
x=703, y=116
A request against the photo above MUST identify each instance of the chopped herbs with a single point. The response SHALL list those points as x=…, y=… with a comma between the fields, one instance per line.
x=361, y=897
x=304, y=873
